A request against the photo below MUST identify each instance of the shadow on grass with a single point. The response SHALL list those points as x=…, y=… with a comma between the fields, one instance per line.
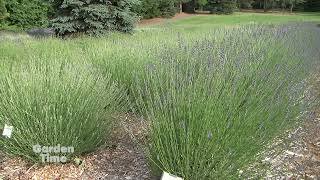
x=309, y=13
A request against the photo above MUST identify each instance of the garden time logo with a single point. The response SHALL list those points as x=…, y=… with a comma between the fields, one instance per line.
x=53, y=154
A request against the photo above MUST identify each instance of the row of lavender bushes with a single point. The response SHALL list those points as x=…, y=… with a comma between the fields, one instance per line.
x=213, y=99
x=214, y=104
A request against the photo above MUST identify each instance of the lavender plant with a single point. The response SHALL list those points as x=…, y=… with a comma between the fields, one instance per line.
x=213, y=99
x=213, y=104
x=52, y=102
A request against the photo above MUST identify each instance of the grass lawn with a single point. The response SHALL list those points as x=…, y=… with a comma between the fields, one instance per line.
x=201, y=22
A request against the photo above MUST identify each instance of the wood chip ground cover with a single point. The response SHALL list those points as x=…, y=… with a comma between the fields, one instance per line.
x=295, y=155
x=123, y=160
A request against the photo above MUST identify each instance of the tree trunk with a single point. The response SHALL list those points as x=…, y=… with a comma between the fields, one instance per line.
x=265, y=5
x=180, y=6
x=194, y=5
x=291, y=8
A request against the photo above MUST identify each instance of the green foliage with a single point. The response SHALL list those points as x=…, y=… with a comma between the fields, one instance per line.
x=156, y=8
x=290, y=3
x=148, y=9
x=94, y=17
x=202, y=3
x=295, y=2
x=222, y=7
x=167, y=8
x=3, y=10
x=27, y=13
x=50, y=100
x=189, y=7
x=312, y=5
x=228, y=7
x=213, y=103
x=300, y=5
x=246, y=4
x=214, y=6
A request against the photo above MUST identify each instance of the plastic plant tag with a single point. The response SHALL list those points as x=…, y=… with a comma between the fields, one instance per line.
x=7, y=131
x=167, y=176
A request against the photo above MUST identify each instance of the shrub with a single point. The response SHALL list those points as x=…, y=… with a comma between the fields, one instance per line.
x=93, y=17
x=167, y=8
x=148, y=9
x=155, y=8
x=222, y=7
x=201, y=3
x=312, y=5
x=190, y=6
x=213, y=105
x=52, y=101
x=27, y=13
x=3, y=10
x=246, y=4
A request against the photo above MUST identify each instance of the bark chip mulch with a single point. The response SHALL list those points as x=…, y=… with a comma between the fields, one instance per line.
x=124, y=160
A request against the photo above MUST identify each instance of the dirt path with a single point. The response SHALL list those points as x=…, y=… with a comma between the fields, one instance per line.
x=122, y=160
x=297, y=155
x=156, y=21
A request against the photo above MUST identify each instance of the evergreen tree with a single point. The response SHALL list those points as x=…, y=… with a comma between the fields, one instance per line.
x=93, y=17
x=27, y=13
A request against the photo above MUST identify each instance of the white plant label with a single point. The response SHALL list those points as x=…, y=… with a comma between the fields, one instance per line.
x=7, y=131
x=167, y=176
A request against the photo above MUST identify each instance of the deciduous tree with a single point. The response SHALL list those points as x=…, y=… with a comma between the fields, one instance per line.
x=3, y=10
x=293, y=3
x=201, y=3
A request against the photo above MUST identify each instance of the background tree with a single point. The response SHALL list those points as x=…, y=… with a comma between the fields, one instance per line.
x=3, y=10
x=147, y=9
x=167, y=8
x=312, y=5
x=93, y=17
x=246, y=4
x=201, y=3
x=292, y=3
x=265, y=5
x=27, y=13
x=158, y=8
x=180, y=3
x=268, y=4
x=222, y=6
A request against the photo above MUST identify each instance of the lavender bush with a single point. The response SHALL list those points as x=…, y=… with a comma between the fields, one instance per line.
x=213, y=98
x=213, y=104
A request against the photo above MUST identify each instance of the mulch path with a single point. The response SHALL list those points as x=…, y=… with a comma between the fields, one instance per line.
x=124, y=160
x=295, y=155
x=155, y=21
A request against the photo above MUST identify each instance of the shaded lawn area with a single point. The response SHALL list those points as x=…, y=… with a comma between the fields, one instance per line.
x=209, y=21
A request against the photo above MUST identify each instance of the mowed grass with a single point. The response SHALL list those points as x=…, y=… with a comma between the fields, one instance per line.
x=200, y=22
